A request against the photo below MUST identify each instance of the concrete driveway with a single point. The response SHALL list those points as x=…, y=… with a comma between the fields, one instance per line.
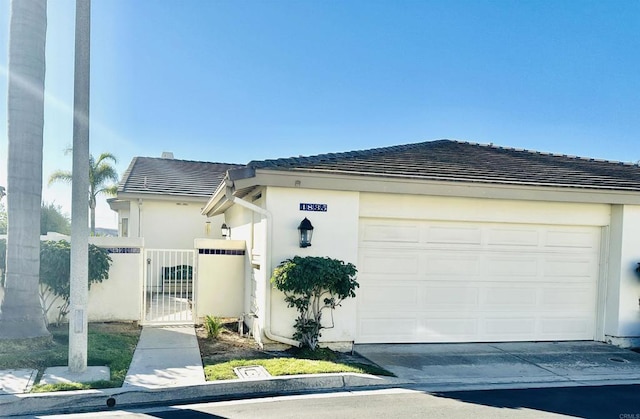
x=511, y=363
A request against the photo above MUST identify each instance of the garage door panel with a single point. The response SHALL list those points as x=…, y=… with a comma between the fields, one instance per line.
x=396, y=263
x=572, y=239
x=381, y=296
x=390, y=233
x=567, y=298
x=445, y=329
x=477, y=282
x=439, y=298
x=453, y=235
x=397, y=328
x=446, y=263
x=513, y=237
x=511, y=328
x=585, y=268
x=512, y=267
x=509, y=297
x=565, y=328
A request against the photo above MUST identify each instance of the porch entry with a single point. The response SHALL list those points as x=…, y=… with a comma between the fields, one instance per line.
x=168, y=287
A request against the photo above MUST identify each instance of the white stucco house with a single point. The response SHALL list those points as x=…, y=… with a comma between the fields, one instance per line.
x=453, y=241
x=160, y=200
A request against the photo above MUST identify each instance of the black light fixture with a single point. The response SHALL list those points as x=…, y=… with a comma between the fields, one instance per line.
x=226, y=231
x=306, y=232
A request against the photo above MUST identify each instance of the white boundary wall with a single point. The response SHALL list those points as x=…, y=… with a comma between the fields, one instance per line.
x=117, y=298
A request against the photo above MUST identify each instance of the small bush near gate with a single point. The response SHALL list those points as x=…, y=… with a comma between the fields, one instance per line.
x=55, y=271
x=312, y=284
x=213, y=326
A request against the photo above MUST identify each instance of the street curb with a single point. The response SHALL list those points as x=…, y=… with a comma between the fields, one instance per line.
x=127, y=397
x=61, y=402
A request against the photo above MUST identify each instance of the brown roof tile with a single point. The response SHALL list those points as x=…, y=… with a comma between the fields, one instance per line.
x=469, y=162
x=173, y=177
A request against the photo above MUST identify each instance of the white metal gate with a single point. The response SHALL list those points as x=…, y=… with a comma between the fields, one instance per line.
x=169, y=286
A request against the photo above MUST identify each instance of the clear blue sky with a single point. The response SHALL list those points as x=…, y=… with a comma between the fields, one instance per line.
x=233, y=81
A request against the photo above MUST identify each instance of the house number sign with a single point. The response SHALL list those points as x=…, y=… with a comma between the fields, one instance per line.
x=313, y=207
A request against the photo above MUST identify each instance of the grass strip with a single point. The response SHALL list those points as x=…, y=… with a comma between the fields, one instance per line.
x=300, y=363
x=106, y=346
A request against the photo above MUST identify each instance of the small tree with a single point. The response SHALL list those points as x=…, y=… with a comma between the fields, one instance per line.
x=55, y=259
x=312, y=284
x=101, y=173
x=52, y=219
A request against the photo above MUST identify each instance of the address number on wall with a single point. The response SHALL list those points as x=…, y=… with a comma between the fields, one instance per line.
x=313, y=207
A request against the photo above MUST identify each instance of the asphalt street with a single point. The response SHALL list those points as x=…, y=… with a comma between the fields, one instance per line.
x=618, y=402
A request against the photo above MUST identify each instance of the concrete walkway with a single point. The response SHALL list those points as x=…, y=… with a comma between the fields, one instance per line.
x=166, y=357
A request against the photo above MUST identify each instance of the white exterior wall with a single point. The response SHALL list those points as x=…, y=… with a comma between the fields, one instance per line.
x=482, y=210
x=240, y=220
x=220, y=281
x=167, y=224
x=174, y=225
x=335, y=235
x=622, y=322
x=117, y=298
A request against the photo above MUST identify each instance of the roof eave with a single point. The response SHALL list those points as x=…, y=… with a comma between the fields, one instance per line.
x=218, y=203
x=443, y=187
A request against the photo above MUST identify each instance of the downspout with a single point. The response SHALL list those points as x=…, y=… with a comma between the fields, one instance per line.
x=266, y=264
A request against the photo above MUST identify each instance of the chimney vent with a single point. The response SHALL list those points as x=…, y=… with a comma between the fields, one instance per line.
x=167, y=155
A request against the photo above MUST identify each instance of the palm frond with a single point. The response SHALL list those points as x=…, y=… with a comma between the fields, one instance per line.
x=108, y=190
x=60, y=176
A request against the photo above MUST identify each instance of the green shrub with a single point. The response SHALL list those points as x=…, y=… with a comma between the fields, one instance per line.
x=213, y=326
x=311, y=285
x=55, y=271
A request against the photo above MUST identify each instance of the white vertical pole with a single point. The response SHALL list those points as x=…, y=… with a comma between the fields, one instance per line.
x=79, y=292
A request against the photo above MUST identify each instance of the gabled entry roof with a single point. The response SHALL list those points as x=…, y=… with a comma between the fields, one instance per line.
x=449, y=160
x=150, y=175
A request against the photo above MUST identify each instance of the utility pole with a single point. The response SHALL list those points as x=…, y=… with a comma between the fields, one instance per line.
x=79, y=291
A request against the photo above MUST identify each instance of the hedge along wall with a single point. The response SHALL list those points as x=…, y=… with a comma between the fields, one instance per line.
x=118, y=298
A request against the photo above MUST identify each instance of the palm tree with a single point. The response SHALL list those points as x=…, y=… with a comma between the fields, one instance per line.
x=21, y=314
x=100, y=173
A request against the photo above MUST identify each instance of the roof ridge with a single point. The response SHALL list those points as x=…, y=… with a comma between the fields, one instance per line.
x=546, y=153
x=187, y=161
x=352, y=153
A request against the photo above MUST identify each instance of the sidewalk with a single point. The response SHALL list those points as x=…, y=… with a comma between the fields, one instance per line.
x=166, y=357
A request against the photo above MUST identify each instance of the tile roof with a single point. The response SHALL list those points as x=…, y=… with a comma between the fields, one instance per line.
x=450, y=160
x=173, y=177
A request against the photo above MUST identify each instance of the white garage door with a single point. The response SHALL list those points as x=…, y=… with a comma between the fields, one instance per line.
x=425, y=281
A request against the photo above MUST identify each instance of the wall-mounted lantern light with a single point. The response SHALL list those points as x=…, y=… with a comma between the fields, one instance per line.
x=226, y=231
x=306, y=232
x=207, y=227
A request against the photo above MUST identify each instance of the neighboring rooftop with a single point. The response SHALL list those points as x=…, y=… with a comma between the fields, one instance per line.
x=469, y=162
x=169, y=176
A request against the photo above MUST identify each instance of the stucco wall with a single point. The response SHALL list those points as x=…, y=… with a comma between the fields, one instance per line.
x=220, y=284
x=482, y=210
x=335, y=235
x=623, y=290
x=117, y=298
x=240, y=220
x=174, y=225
